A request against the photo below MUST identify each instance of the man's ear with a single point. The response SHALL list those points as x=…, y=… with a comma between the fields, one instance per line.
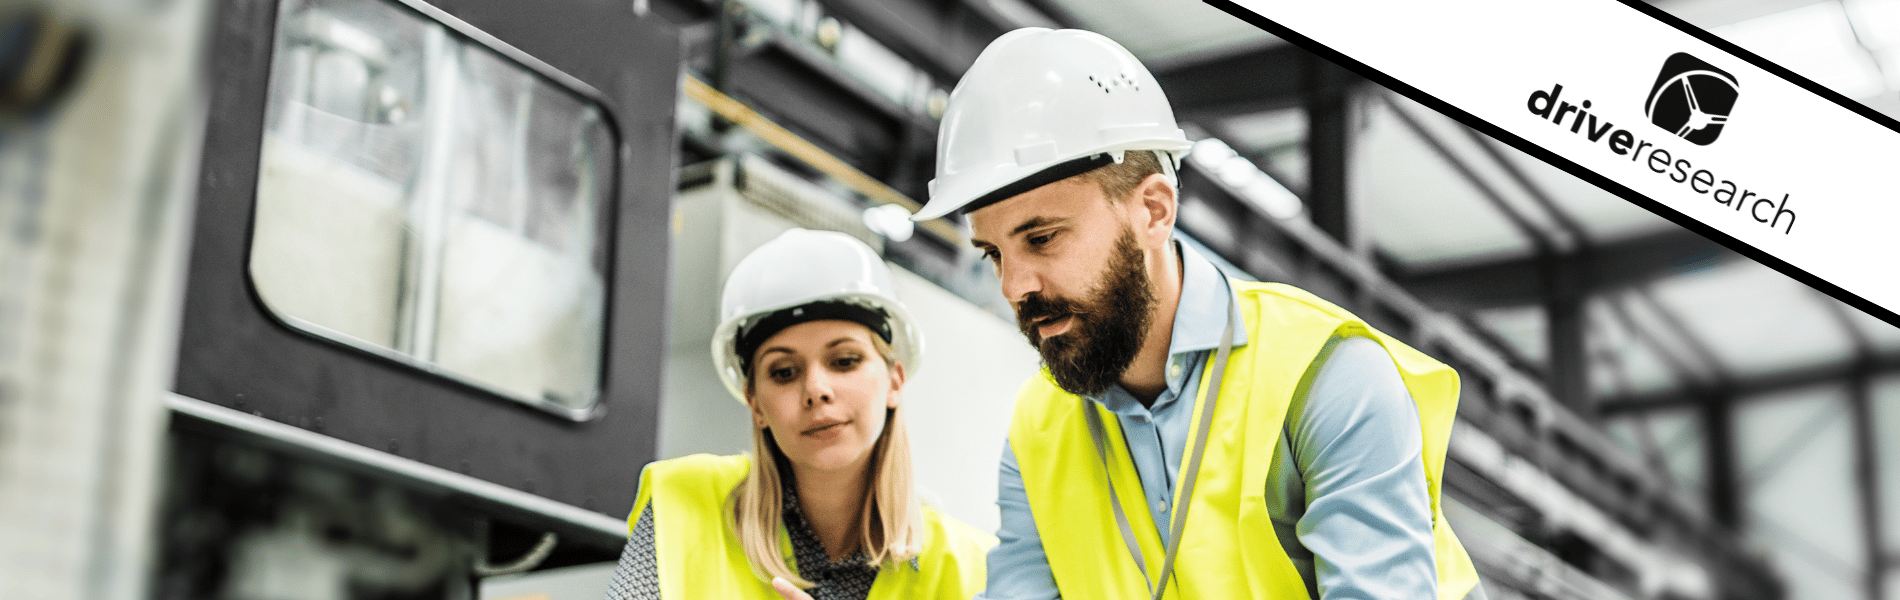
x=897, y=386
x=1154, y=208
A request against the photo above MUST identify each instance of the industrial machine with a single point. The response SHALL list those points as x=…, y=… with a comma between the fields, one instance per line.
x=424, y=313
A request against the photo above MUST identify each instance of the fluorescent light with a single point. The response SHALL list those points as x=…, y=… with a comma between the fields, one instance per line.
x=1246, y=180
x=889, y=220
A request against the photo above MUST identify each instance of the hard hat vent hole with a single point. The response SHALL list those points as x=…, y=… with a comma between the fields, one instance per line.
x=1111, y=84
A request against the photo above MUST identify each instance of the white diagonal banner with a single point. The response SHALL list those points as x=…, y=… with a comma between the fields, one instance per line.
x=1663, y=114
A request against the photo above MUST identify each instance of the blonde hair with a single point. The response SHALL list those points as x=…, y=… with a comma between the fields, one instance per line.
x=890, y=520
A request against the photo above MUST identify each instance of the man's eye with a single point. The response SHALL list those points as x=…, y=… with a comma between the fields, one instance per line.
x=1039, y=240
x=992, y=256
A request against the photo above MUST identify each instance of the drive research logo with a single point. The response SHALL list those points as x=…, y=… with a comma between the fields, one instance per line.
x=1691, y=99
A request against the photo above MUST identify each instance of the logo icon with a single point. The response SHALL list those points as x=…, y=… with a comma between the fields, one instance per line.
x=1691, y=99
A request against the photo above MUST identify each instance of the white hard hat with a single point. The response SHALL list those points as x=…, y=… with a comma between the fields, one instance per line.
x=1040, y=105
x=804, y=275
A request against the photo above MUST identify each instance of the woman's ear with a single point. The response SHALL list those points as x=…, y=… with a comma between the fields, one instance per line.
x=897, y=386
x=758, y=414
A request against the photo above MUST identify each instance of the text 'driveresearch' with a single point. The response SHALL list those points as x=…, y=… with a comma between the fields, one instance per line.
x=1648, y=109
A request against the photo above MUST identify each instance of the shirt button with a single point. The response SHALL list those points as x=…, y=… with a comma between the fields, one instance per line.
x=1174, y=370
x=1161, y=506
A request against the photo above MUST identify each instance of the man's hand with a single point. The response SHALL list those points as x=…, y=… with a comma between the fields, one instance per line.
x=787, y=590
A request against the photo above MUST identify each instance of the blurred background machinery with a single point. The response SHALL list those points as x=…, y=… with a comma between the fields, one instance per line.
x=379, y=299
x=101, y=116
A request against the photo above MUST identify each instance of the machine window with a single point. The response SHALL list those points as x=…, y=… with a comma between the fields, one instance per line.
x=425, y=197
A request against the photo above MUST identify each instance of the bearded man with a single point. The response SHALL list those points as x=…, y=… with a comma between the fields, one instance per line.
x=1307, y=445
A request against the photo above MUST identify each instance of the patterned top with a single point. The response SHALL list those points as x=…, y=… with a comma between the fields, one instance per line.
x=638, y=575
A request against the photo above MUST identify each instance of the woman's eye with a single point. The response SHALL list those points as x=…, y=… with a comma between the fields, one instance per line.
x=780, y=373
x=847, y=362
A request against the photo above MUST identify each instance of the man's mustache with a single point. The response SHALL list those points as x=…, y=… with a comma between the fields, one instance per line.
x=1035, y=307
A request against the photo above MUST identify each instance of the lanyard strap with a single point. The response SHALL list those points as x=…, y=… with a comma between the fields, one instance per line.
x=1178, y=522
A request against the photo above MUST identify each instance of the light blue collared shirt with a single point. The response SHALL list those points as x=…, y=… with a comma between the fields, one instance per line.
x=1346, y=489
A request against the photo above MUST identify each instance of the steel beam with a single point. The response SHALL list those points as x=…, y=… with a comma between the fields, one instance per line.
x=798, y=87
x=1056, y=12
x=1867, y=484
x=1329, y=134
x=1719, y=452
x=803, y=88
x=1517, y=281
x=1747, y=388
x=1250, y=82
x=683, y=12
x=942, y=38
x=1718, y=419
x=1569, y=362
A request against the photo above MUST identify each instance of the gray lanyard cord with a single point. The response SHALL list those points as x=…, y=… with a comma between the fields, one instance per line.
x=1178, y=522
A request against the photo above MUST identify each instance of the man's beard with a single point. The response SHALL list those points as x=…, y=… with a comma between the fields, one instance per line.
x=1109, y=325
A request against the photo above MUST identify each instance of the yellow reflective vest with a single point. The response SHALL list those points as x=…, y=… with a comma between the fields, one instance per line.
x=1229, y=549
x=699, y=556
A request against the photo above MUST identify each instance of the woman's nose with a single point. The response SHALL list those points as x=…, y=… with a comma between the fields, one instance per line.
x=817, y=386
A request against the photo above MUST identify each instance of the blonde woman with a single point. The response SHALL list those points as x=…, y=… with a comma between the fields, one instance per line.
x=814, y=341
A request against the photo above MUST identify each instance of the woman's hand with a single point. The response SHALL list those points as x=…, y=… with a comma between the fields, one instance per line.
x=787, y=590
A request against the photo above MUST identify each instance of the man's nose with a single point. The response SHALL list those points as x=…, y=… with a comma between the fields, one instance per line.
x=1018, y=280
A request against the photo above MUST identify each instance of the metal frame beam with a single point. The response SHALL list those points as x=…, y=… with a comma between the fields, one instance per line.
x=798, y=86
x=1867, y=482
x=1565, y=288
x=1747, y=388
x=1717, y=416
x=1866, y=454
x=1724, y=493
x=1561, y=287
x=682, y=12
x=942, y=38
x=1056, y=12
x=1516, y=281
x=1328, y=102
x=1268, y=78
x=801, y=87
x=1569, y=361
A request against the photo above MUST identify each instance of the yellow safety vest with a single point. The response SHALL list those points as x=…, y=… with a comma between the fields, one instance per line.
x=699, y=555
x=1229, y=548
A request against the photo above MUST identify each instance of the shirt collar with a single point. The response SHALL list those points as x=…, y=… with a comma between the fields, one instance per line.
x=1201, y=315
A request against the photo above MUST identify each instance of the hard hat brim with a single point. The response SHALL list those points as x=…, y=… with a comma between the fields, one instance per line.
x=1009, y=182
x=906, y=340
